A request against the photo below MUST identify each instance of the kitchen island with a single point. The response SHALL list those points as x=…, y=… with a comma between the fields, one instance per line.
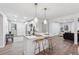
x=29, y=43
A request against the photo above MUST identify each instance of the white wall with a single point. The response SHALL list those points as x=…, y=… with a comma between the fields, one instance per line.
x=68, y=18
x=71, y=26
x=78, y=26
x=3, y=28
x=54, y=28
x=39, y=26
x=9, y=26
x=20, y=29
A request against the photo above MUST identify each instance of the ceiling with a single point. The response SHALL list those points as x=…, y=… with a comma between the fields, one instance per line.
x=54, y=10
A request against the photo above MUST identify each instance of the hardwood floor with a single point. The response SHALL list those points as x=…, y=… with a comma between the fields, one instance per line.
x=12, y=49
x=60, y=47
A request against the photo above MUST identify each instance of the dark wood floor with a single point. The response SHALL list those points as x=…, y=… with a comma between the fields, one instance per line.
x=60, y=47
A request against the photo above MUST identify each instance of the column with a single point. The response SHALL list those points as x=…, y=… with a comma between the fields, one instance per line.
x=75, y=32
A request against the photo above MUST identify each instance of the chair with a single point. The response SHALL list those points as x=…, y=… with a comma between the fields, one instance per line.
x=9, y=36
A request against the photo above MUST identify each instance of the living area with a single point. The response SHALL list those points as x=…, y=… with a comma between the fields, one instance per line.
x=39, y=29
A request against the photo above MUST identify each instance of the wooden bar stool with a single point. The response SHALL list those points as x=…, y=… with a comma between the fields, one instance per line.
x=38, y=45
x=50, y=47
x=50, y=44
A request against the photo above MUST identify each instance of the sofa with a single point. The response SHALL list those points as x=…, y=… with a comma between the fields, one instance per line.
x=69, y=36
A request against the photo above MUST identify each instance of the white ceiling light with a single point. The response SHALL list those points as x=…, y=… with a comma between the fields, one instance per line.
x=45, y=21
x=35, y=19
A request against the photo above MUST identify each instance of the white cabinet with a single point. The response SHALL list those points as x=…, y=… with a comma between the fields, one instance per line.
x=29, y=45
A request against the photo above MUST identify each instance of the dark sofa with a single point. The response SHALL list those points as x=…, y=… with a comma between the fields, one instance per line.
x=69, y=36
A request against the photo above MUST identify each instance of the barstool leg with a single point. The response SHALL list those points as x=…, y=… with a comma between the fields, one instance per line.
x=43, y=47
x=50, y=45
x=39, y=47
x=35, y=48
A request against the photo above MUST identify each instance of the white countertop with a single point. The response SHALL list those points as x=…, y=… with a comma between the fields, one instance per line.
x=32, y=37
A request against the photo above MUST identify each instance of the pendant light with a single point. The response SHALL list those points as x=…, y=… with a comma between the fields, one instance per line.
x=45, y=21
x=35, y=19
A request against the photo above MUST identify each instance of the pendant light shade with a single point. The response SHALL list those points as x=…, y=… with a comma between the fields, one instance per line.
x=35, y=19
x=45, y=20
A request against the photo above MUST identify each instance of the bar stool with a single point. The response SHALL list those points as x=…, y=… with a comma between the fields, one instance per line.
x=38, y=45
x=50, y=47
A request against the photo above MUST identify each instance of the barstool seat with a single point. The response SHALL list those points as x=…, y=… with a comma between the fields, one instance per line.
x=40, y=43
x=38, y=46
